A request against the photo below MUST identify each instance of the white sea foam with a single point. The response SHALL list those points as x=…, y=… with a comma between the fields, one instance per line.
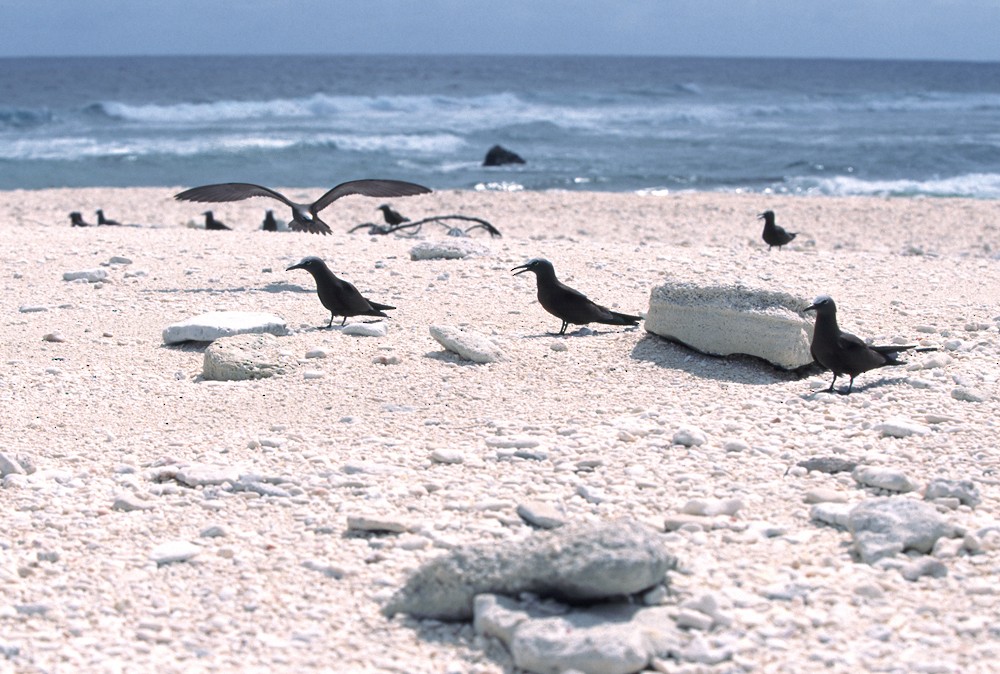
x=318, y=106
x=403, y=113
x=980, y=185
x=499, y=186
x=88, y=147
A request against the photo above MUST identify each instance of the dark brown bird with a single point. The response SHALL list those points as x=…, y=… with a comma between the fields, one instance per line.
x=773, y=234
x=305, y=217
x=76, y=220
x=337, y=295
x=392, y=217
x=844, y=353
x=270, y=224
x=101, y=220
x=212, y=223
x=567, y=304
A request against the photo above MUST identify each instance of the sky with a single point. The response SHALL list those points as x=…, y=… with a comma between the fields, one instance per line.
x=880, y=29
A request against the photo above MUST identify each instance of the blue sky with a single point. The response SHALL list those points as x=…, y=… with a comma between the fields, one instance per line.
x=908, y=29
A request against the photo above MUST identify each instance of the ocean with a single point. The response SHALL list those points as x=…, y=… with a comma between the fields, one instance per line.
x=623, y=124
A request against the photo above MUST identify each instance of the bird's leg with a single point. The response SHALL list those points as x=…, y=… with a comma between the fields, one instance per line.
x=830, y=390
x=562, y=330
x=850, y=386
x=330, y=324
x=343, y=322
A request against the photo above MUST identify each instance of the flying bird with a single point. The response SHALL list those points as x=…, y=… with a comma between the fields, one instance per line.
x=305, y=217
x=774, y=235
x=337, y=295
x=567, y=304
x=844, y=353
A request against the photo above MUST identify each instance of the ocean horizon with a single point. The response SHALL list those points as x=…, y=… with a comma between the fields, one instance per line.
x=623, y=124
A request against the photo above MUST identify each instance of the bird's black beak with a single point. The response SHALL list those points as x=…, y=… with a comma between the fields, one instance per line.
x=760, y=216
x=522, y=267
x=294, y=266
x=812, y=307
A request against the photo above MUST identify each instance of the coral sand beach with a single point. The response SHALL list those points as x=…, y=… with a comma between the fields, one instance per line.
x=365, y=456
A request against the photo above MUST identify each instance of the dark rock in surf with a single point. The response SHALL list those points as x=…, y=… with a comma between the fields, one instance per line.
x=499, y=156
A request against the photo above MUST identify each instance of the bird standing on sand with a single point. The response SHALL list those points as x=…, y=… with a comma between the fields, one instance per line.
x=567, y=304
x=212, y=223
x=270, y=225
x=337, y=295
x=844, y=353
x=101, y=220
x=392, y=217
x=76, y=220
x=773, y=234
x=305, y=217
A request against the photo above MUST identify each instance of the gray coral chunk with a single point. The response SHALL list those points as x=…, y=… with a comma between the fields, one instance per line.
x=577, y=564
x=883, y=527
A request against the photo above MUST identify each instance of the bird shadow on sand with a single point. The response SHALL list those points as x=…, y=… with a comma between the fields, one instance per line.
x=841, y=390
x=579, y=332
x=275, y=287
x=336, y=327
x=741, y=369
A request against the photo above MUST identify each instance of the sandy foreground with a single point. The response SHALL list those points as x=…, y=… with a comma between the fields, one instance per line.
x=283, y=586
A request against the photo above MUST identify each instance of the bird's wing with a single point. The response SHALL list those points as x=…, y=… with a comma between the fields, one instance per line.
x=369, y=188
x=861, y=355
x=351, y=298
x=230, y=192
x=893, y=349
x=575, y=306
x=850, y=342
x=563, y=290
x=317, y=226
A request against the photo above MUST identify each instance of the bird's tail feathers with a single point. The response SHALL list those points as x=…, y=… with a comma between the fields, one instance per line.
x=899, y=348
x=315, y=227
x=626, y=319
x=380, y=307
x=891, y=352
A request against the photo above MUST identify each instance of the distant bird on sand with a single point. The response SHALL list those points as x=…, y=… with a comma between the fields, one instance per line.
x=305, y=217
x=567, y=304
x=392, y=217
x=77, y=220
x=844, y=353
x=101, y=220
x=337, y=295
x=270, y=225
x=773, y=234
x=212, y=223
